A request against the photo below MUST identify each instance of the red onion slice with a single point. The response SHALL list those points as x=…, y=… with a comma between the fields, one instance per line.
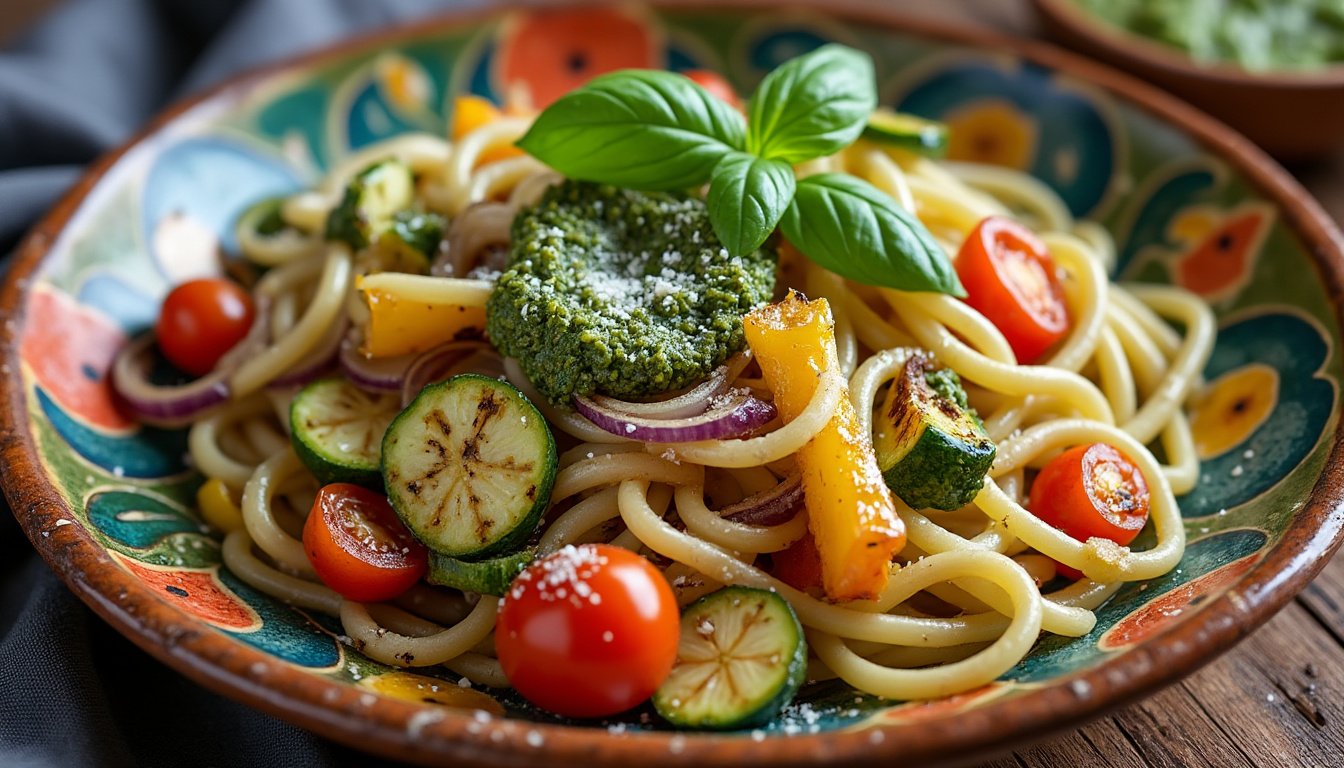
x=158, y=405
x=733, y=414
x=316, y=363
x=434, y=365
x=176, y=406
x=692, y=402
x=373, y=374
x=768, y=508
x=473, y=240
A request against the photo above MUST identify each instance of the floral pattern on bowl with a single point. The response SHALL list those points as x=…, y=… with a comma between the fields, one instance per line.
x=163, y=209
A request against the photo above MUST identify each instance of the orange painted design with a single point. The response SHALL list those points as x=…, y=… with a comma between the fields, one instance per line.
x=992, y=131
x=198, y=592
x=957, y=702
x=1221, y=263
x=1232, y=408
x=69, y=350
x=546, y=54
x=1161, y=613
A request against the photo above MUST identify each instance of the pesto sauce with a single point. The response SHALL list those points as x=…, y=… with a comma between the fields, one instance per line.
x=622, y=293
x=1257, y=35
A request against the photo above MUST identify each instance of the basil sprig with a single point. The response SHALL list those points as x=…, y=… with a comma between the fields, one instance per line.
x=640, y=129
x=656, y=130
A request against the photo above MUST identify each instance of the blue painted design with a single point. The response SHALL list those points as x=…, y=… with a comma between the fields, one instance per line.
x=1296, y=349
x=1056, y=656
x=680, y=59
x=1074, y=152
x=302, y=112
x=149, y=452
x=138, y=520
x=1155, y=213
x=115, y=298
x=779, y=46
x=212, y=181
x=285, y=632
x=481, y=81
x=372, y=118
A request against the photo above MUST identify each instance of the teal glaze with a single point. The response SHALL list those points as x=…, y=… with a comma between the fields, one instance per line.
x=1059, y=656
x=1075, y=151
x=286, y=632
x=147, y=452
x=1296, y=349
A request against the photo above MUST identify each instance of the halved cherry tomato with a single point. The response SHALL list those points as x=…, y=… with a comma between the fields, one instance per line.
x=716, y=85
x=1091, y=490
x=1010, y=279
x=358, y=545
x=798, y=565
x=588, y=631
x=201, y=320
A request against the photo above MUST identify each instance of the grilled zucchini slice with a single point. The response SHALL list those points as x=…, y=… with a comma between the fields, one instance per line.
x=370, y=202
x=468, y=466
x=337, y=431
x=908, y=132
x=490, y=576
x=740, y=660
x=410, y=242
x=931, y=447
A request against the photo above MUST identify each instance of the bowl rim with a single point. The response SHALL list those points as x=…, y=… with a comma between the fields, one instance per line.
x=1121, y=43
x=430, y=735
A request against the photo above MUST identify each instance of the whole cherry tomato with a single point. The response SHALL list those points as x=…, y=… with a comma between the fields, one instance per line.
x=201, y=320
x=588, y=631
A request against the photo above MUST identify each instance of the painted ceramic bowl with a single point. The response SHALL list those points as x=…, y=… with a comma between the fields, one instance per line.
x=1293, y=115
x=108, y=503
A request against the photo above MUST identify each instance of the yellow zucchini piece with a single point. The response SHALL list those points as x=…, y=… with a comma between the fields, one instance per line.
x=413, y=313
x=849, y=508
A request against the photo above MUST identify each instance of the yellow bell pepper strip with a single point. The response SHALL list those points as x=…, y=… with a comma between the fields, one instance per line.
x=850, y=510
x=217, y=507
x=472, y=112
x=413, y=313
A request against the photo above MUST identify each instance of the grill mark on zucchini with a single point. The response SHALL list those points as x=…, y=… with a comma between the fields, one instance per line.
x=931, y=446
x=460, y=496
x=337, y=430
x=719, y=683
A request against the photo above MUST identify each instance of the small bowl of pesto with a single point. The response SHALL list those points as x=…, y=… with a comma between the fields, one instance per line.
x=1273, y=70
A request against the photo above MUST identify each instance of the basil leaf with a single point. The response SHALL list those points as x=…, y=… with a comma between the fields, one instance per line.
x=813, y=105
x=638, y=129
x=855, y=230
x=747, y=195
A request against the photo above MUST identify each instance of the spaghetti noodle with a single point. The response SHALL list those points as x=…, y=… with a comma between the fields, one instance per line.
x=1120, y=377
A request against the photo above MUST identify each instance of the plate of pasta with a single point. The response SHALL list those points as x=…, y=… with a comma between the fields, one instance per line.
x=680, y=384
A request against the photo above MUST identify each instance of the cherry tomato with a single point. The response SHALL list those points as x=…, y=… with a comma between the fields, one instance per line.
x=1091, y=490
x=716, y=85
x=1010, y=278
x=201, y=320
x=358, y=545
x=798, y=565
x=588, y=631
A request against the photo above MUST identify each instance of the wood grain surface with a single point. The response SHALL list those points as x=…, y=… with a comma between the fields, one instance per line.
x=1276, y=700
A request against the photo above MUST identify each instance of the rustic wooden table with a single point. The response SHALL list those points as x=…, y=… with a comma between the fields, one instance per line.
x=1277, y=699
